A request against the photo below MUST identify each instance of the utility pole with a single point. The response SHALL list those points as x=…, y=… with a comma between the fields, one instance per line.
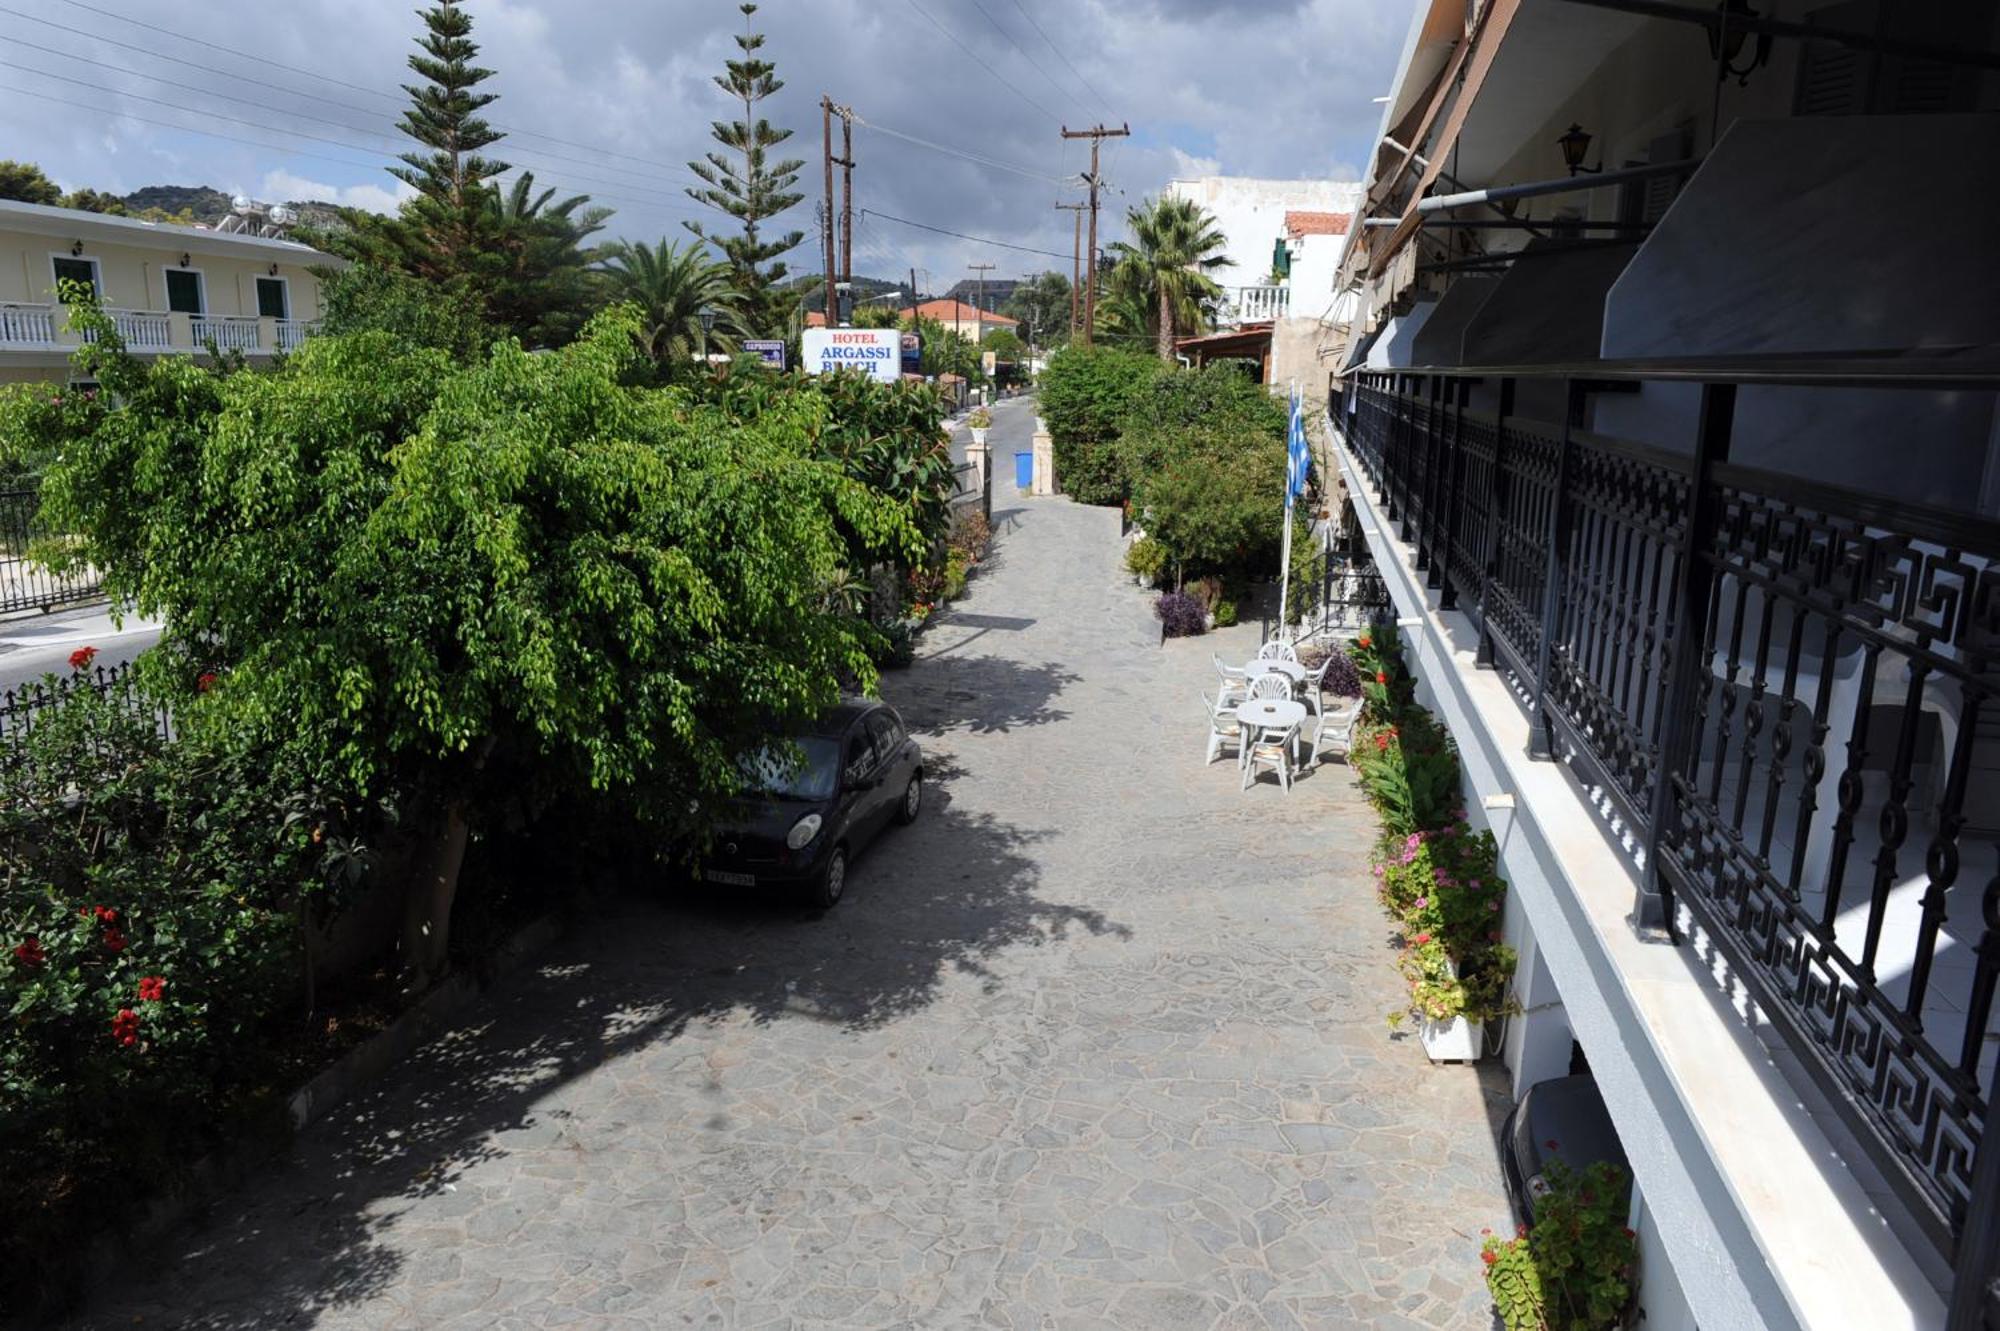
x=1096, y=134
x=1075, y=261
x=826, y=155
x=979, y=302
x=846, y=160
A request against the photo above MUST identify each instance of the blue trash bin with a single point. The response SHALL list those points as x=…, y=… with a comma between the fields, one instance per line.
x=1024, y=471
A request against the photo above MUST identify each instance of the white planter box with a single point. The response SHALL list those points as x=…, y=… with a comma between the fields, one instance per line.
x=1454, y=1041
x=979, y=437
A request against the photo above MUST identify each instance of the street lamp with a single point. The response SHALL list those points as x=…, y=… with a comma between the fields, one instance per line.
x=707, y=320
x=1574, y=144
x=1725, y=42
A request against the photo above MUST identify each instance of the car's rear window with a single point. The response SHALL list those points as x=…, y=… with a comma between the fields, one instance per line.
x=802, y=770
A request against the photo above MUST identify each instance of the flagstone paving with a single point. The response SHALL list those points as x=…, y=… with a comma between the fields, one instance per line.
x=1099, y=1042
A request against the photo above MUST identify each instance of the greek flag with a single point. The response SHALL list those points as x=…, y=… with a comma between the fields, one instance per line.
x=1298, y=462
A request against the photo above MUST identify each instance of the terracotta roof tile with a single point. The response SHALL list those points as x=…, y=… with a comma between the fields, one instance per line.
x=1317, y=224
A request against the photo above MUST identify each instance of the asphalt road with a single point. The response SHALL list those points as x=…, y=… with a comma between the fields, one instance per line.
x=32, y=648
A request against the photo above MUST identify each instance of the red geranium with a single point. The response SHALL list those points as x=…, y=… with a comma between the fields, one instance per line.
x=29, y=951
x=1362, y=641
x=1422, y=939
x=81, y=658
x=152, y=988
x=125, y=1027
x=114, y=938
x=1381, y=677
x=204, y=681
x=1488, y=1257
x=104, y=914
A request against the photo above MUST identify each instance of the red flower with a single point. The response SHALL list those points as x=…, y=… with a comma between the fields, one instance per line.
x=106, y=914
x=29, y=951
x=81, y=658
x=1381, y=677
x=1553, y=1144
x=152, y=988
x=204, y=681
x=1488, y=1257
x=1423, y=938
x=114, y=939
x=1487, y=1232
x=1362, y=641
x=125, y=1027
x=1382, y=743
x=1630, y=1235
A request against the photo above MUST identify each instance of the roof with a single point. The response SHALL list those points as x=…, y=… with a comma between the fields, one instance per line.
x=1300, y=223
x=958, y=311
x=78, y=224
x=835, y=720
x=1245, y=339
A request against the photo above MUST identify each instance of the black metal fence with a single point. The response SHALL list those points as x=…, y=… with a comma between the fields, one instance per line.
x=23, y=708
x=1786, y=691
x=24, y=584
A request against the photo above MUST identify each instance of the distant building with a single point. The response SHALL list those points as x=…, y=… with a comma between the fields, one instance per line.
x=169, y=288
x=994, y=297
x=968, y=321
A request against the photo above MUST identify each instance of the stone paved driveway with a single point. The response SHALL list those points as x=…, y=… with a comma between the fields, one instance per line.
x=1098, y=1042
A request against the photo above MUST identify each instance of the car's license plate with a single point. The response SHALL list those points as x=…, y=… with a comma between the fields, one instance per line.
x=725, y=876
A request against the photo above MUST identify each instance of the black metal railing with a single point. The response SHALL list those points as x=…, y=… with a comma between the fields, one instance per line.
x=23, y=708
x=24, y=583
x=1785, y=692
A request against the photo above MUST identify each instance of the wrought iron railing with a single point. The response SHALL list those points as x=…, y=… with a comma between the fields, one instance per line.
x=26, y=584
x=1786, y=693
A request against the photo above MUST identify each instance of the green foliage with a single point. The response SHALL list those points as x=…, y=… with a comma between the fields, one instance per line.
x=1084, y=395
x=1214, y=510
x=1005, y=345
x=753, y=189
x=24, y=182
x=1146, y=558
x=367, y=297
x=1041, y=303
x=1225, y=613
x=415, y=573
x=672, y=287
x=536, y=277
x=943, y=351
x=1573, y=1270
x=448, y=219
x=94, y=201
x=1307, y=577
x=1161, y=279
x=151, y=897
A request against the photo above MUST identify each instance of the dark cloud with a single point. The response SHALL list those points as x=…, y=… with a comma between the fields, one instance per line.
x=1254, y=87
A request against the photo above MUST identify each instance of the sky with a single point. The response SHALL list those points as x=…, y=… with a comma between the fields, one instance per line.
x=613, y=97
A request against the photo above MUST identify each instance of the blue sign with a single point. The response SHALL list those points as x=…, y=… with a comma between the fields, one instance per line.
x=769, y=350
x=913, y=353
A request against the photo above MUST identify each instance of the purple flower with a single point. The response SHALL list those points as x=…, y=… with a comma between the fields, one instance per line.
x=1423, y=902
x=1472, y=883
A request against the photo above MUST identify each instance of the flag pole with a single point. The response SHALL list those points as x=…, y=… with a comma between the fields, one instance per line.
x=1285, y=559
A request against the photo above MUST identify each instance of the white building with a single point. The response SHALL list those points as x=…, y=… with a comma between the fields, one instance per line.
x=1668, y=413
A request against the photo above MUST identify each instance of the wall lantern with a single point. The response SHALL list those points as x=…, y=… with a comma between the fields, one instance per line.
x=185, y=260
x=1575, y=143
x=76, y=250
x=274, y=270
x=707, y=319
x=1725, y=42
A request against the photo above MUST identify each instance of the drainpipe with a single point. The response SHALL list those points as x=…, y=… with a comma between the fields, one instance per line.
x=1438, y=203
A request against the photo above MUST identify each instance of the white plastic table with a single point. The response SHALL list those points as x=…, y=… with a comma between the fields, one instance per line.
x=1291, y=670
x=1273, y=714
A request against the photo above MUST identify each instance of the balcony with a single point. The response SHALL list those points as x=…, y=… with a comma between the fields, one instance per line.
x=1258, y=304
x=1779, y=695
x=43, y=328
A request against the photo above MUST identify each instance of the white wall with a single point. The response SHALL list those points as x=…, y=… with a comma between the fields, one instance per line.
x=1252, y=212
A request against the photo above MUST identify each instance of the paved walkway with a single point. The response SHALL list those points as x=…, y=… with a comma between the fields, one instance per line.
x=1098, y=1043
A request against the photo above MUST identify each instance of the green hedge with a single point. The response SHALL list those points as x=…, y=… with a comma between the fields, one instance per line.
x=1084, y=394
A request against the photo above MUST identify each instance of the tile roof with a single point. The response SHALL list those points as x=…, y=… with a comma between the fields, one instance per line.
x=1317, y=224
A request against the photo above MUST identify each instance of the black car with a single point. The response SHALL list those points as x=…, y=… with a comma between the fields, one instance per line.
x=1562, y=1117
x=803, y=823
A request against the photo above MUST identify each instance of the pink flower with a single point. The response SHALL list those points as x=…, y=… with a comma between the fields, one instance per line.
x=1423, y=902
x=1413, y=840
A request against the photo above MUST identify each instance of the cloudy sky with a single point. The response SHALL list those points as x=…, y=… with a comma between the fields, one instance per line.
x=612, y=97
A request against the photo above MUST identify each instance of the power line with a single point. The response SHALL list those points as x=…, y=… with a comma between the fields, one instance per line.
x=983, y=160
x=943, y=231
x=1060, y=92
x=295, y=92
x=997, y=76
x=1052, y=46
x=230, y=50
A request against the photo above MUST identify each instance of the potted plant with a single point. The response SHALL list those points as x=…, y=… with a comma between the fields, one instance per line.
x=1573, y=1267
x=981, y=420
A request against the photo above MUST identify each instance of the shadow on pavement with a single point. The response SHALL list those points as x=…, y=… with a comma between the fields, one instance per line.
x=373, y=1202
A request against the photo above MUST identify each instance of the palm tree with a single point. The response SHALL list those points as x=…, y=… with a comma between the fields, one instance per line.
x=1175, y=245
x=673, y=287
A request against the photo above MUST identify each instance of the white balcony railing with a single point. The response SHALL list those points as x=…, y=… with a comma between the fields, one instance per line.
x=292, y=332
x=143, y=330
x=27, y=325
x=1256, y=304
x=228, y=334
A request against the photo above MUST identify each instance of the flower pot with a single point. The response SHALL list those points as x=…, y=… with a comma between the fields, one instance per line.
x=1454, y=1041
x=979, y=435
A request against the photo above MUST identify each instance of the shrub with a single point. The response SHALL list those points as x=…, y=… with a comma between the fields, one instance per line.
x=1306, y=582
x=1083, y=397
x=1180, y=615
x=956, y=567
x=1218, y=511
x=1573, y=1269
x=971, y=534
x=1342, y=679
x=980, y=419
x=1146, y=558
x=1225, y=613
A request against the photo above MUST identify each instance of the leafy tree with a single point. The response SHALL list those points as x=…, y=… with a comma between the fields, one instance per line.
x=753, y=190
x=94, y=201
x=1205, y=454
x=1041, y=302
x=1084, y=395
x=24, y=182
x=881, y=314
x=672, y=287
x=537, y=276
x=437, y=580
x=1004, y=345
x=448, y=222
x=1175, y=245
x=365, y=297
x=941, y=351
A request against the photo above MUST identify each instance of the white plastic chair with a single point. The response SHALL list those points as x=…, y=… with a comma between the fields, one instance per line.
x=1277, y=649
x=1271, y=685
x=1338, y=721
x=1233, y=682
x=1223, y=728
x=1271, y=748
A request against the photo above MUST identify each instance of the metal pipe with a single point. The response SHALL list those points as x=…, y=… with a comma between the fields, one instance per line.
x=1712, y=18
x=1438, y=203
x=1515, y=224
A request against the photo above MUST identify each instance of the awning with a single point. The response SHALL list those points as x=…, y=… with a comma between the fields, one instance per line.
x=1549, y=307
x=1358, y=349
x=1847, y=234
x=1250, y=341
x=1393, y=346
